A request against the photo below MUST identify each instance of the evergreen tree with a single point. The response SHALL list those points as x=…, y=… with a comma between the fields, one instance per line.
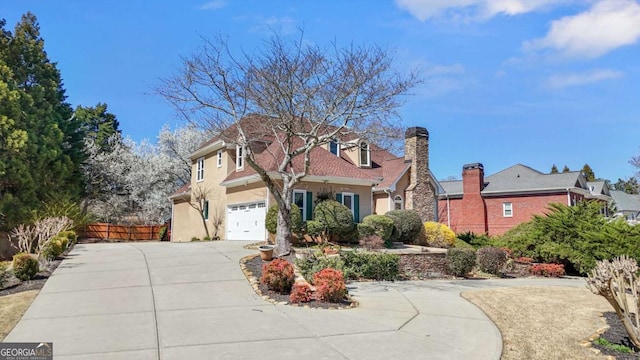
x=630, y=186
x=588, y=172
x=565, y=169
x=98, y=125
x=554, y=169
x=50, y=159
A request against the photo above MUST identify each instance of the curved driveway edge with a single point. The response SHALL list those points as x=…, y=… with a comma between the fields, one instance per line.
x=192, y=301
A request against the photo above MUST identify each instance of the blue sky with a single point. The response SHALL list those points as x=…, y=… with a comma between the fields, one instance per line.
x=535, y=82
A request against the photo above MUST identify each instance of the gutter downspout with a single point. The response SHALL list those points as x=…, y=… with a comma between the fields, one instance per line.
x=448, y=211
x=568, y=197
x=388, y=191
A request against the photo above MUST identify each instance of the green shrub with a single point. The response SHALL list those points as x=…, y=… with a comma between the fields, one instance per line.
x=330, y=285
x=379, y=225
x=162, y=233
x=407, y=226
x=369, y=265
x=54, y=248
x=25, y=266
x=461, y=244
x=577, y=236
x=439, y=235
x=4, y=272
x=316, y=261
x=278, y=275
x=195, y=238
x=314, y=228
x=475, y=240
x=271, y=222
x=206, y=238
x=461, y=261
x=491, y=259
x=334, y=218
x=70, y=235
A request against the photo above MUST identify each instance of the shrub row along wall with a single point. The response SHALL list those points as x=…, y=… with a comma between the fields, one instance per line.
x=424, y=266
x=107, y=231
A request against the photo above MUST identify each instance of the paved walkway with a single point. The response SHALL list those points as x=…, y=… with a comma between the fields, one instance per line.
x=191, y=301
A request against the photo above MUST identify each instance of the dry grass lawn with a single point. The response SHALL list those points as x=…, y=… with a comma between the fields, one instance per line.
x=543, y=322
x=11, y=309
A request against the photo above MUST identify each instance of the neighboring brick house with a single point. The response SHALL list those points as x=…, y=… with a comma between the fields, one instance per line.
x=494, y=204
x=364, y=177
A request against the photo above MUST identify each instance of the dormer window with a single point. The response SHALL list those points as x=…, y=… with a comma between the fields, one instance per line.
x=239, y=157
x=334, y=147
x=365, y=154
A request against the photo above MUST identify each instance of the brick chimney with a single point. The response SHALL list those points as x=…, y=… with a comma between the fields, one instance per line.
x=474, y=209
x=420, y=195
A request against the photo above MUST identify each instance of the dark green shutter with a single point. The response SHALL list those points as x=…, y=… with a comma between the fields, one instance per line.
x=356, y=208
x=309, y=206
x=339, y=197
x=206, y=209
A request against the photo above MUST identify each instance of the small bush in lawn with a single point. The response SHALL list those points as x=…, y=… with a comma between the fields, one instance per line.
x=492, y=259
x=206, y=238
x=330, y=285
x=407, y=225
x=70, y=235
x=25, y=266
x=461, y=261
x=195, y=238
x=162, y=233
x=314, y=262
x=271, y=221
x=368, y=265
x=439, y=235
x=4, y=272
x=301, y=293
x=54, y=248
x=379, y=225
x=278, y=275
x=548, y=270
x=372, y=242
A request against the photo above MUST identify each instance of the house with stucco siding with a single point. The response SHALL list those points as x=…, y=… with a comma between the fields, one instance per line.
x=361, y=175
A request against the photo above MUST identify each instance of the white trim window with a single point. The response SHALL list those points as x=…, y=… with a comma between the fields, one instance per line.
x=334, y=147
x=348, y=201
x=300, y=199
x=507, y=209
x=365, y=154
x=200, y=169
x=239, y=157
x=219, y=158
x=397, y=203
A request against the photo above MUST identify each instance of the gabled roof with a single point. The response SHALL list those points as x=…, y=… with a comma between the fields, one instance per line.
x=184, y=190
x=625, y=202
x=521, y=178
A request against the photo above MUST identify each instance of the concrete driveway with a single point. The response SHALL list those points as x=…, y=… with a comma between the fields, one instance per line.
x=191, y=301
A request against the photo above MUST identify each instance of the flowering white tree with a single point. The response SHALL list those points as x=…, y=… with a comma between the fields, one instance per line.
x=137, y=178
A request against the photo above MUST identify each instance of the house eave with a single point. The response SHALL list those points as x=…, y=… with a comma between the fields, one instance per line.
x=214, y=146
x=246, y=180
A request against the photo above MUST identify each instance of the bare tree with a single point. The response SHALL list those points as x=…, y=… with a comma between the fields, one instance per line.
x=305, y=95
x=34, y=238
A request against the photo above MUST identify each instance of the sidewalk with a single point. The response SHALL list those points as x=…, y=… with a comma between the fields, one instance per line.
x=190, y=300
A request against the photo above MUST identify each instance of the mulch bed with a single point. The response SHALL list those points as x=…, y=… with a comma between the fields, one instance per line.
x=13, y=285
x=616, y=334
x=254, y=265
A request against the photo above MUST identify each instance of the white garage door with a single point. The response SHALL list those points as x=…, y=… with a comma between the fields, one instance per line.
x=246, y=221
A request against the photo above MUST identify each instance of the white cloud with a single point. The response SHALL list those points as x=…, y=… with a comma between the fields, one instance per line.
x=282, y=25
x=567, y=80
x=606, y=26
x=213, y=5
x=475, y=9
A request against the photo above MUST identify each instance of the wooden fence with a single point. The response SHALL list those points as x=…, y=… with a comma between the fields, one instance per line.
x=108, y=231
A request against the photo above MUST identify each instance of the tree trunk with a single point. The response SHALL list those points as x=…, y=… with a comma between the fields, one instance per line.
x=283, y=233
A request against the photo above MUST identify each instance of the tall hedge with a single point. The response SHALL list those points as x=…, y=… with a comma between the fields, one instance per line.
x=407, y=226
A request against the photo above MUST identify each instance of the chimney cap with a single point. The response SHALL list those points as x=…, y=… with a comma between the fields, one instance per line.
x=416, y=131
x=473, y=166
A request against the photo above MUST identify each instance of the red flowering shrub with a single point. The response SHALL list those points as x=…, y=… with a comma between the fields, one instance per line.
x=301, y=293
x=524, y=259
x=330, y=285
x=278, y=275
x=548, y=270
